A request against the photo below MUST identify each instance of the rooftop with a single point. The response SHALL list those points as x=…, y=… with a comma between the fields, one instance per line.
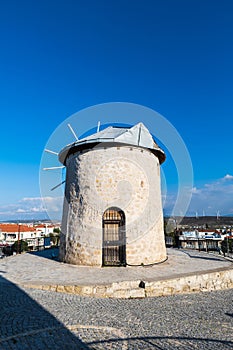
x=137, y=135
x=12, y=228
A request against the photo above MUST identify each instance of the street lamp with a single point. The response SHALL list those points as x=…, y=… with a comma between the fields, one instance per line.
x=227, y=245
x=198, y=240
x=18, y=238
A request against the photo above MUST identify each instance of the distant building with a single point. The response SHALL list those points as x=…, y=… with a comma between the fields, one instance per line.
x=10, y=233
x=44, y=229
x=33, y=235
x=200, y=239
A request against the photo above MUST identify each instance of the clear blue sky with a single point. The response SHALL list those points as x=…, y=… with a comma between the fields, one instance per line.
x=58, y=57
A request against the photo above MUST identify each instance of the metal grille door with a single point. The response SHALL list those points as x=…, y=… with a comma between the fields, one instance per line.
x=114, y=253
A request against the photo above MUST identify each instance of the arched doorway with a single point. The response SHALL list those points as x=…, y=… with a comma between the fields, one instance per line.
x=114, y=240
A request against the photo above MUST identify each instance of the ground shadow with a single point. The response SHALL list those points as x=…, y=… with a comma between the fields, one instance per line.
x=194, y=256
x=27, y=325
x=164, y=343
x=50, y=253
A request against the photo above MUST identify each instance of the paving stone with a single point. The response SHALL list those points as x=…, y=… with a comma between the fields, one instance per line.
x=44, y=319
x=37, y=319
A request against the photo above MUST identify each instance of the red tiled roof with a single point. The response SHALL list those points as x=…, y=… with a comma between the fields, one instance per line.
x=16, y=228
x=43, y=226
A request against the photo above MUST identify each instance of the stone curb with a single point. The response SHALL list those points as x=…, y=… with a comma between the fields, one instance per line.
x=201, y=282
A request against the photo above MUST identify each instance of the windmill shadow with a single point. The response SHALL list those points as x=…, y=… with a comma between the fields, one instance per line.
x=194, y=256
x=27, y=325
x=51, y=253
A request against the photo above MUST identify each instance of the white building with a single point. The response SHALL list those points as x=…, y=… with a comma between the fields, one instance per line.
x=200, y=239
x=44, y=229
x=33, y=235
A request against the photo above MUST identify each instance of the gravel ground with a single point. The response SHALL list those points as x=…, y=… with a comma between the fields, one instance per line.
x=35, y=319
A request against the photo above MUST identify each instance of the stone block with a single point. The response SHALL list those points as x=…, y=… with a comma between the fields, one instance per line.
x=60, y=289
x=78, y=290
x=87, y=290
x=69, y=289
x=53, y=288
x=137, y=293
x=46, y=287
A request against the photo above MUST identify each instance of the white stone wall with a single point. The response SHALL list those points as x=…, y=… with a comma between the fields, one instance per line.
x=124, y=177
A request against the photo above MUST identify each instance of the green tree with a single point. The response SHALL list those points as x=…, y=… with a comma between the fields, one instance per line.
x=55, y=238
x=56, y=230
x=227, y=245
x=20, y=246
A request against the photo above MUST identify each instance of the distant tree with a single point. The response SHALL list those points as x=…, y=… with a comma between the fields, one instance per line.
x=230, y=245
x=7, y=250
x=177, y=234
x=20, y=246
x=227, y=245
x=170, y=226
x=55, y=238
x=56, y=230
x=224, y=247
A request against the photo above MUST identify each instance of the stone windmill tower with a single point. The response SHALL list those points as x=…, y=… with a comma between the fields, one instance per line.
x=112, y=212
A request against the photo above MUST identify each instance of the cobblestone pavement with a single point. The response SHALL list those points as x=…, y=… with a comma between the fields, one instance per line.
x=35, y=319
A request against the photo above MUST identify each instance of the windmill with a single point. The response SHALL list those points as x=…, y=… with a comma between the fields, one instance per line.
x=91, y=206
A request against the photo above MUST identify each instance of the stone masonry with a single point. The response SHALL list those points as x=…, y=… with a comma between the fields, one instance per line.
x=126, y=177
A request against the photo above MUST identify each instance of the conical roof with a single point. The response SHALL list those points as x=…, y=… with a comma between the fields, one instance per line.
x=137, y=135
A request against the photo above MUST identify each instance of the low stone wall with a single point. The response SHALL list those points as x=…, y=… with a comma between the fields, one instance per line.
x=193, y=283
x=206, y=282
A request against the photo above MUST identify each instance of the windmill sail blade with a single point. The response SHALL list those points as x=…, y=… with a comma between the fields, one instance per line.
x=61, y=183
x=72, y=130
x=54, y=167
x=52, y=152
